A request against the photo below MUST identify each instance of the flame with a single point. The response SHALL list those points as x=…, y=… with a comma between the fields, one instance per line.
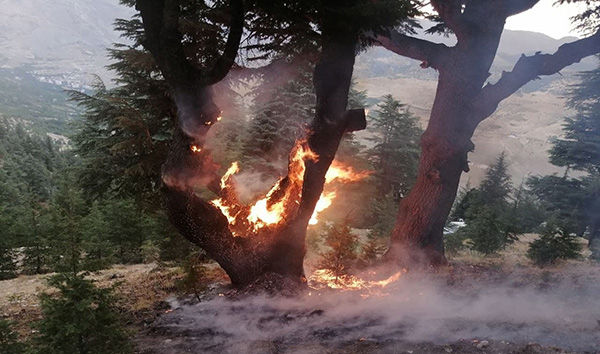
x=344, y=174
x=233, y=169
x=324, y=202
x=195, y=149
x=388, y=281
x=285, y=195
x=326, y=278
x=219, y=117
x=226, y=210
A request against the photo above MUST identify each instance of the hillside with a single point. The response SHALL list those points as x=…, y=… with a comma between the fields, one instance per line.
x=48, y=46
x=523, y=125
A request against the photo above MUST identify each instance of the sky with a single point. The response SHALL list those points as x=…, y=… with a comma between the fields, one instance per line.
x=551, y=20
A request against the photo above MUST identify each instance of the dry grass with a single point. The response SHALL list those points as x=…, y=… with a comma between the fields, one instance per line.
x=143, y=287
x=515, y=255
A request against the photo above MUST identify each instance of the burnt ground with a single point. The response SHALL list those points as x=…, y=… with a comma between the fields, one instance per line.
x=470, y=308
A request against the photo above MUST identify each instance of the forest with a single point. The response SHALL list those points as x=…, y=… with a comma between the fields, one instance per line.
x=273, y=206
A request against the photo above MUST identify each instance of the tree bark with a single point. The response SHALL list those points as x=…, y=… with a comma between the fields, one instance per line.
x=461, y=103
x=332, y=79
x=280, y=249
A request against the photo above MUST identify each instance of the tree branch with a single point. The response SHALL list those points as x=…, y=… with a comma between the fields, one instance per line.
x=530, y=68
x=236, y=29
x=431, y=54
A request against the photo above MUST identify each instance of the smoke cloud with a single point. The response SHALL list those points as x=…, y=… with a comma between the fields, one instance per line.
x=414, y=309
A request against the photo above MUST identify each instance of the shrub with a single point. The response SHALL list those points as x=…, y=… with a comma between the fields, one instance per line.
x=554, y=243
x=454, y=242
x=80, y=319
x=342, y=244
x=8, y=340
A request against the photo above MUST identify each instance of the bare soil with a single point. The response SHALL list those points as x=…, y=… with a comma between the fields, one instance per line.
x=500, y=305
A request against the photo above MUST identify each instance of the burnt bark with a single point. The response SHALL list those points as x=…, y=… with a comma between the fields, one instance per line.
x=332, y=78
x=247, y=259
x=461, y=103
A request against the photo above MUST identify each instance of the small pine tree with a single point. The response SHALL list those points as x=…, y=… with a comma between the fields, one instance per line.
x=371, y=251
x=80, y=319
x=488, y=225
x=341, y=256
x=8, y=267
x=9, y=343
x=194, y=274
x=555, y=243
x=486, y=231
x=455, y=242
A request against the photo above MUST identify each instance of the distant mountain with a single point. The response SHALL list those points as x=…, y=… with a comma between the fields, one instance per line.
x=46, y=46
x=60, y=41
x=378, y=62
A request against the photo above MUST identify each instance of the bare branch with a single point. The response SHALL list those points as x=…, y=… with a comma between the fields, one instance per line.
x=529, y=68
x=431, y=54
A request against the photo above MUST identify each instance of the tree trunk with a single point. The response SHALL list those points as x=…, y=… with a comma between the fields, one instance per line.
x=417, y=237
x=279, y=249
x=332, y=79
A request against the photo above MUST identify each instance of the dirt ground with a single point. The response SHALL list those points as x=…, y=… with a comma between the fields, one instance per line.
x=498, y=305
x=472, y=308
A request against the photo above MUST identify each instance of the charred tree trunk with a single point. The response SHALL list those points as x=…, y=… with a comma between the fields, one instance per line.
x=332, y=78
x=278, y=250
x=461, y=103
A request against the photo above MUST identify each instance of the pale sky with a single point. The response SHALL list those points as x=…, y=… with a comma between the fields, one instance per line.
x=553, y=21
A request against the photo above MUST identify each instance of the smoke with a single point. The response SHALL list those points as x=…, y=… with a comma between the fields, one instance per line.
x=251, y=184
x=415, y=309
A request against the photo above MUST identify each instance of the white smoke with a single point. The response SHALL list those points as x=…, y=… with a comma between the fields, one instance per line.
x=414, y=309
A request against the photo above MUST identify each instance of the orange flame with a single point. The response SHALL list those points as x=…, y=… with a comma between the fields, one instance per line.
x=233, y=169
x=324, y=202
x=327, y=278
x=274, y=207
x=343, y=173
x=195, y=149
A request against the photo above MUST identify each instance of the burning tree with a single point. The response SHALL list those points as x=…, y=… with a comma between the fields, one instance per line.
x=251, y=241
x=463, y=100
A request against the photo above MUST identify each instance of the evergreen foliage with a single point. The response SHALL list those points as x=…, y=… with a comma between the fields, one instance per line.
x=80, y=319
x=341, y=256
x=577, y=200
x=394, y=158
x=8, y=266
x=9, y=343
x=487, y=212
x=555, y=243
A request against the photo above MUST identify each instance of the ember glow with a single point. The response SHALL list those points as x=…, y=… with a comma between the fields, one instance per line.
x=195, y=149
x=284, y=197
x=326, y=278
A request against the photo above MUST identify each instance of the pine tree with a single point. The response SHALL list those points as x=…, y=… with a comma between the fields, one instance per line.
x=555, y=243
x=342, y=243
x=281, y=117
x=9, y=343
x=576, y=200
x=80, y=319
x=487, y=214
x=394, y=159
x=99, y=251
x=8, y=267
x=125, y=131
x=396, y=151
